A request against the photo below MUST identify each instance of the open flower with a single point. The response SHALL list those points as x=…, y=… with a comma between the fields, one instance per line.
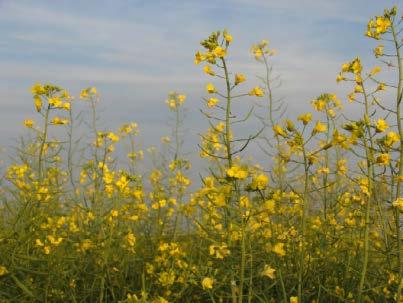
x=211, y=88
x=268, y=271
x=29, y=123
x=207, y=283
x=381, y=126
x=256, y=91
x=239, y=78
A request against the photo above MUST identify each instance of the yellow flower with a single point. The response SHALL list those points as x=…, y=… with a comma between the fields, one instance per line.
x=220, y=127
x=391, y=138
x=331, y=113
x=53, y=240
x=290, y=125
x=398, y=203
x=244, y=201
x=268, y=271
x=171, y=103
x=212, y=102
x=211, y=88
x=219, y=252
x=278, y=131
x=294, y=299
x=270, y=206
x=55, y=102
x=38, y=103
x=29, y=123
x=66, y=106
x=237, y=172
x=122, y=182
x=279, y=250
x=358, y=89
x=181, y=99
x=86, y=245
x=356, y=66
x=256, y=91
x=381, y=86
x=258, y=53
x=381, y=126
x=160, y=300
x=3, y=271
x=131, y=239
x=207, y=283
x=46, y=250
x=114, y=138
x=84, y=94
x=345, y=67
x=378, y=51
x=383, y=24
x=239, y=78
x=227, y=37
x=39, y=243
x=319, y=104
x=305, y=119
x=219, y=52
x=320, y=127
x=207, y=69
x=375, y=70
x=383, y=159
x=340, y=77
x=323, y=170
x=59, y=121
x=37, y=89
x=351, y=97
x=260, y=182
x=199, y=58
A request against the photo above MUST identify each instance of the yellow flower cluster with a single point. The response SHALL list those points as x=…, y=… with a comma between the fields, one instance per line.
x=380, y=25
x=175, y=100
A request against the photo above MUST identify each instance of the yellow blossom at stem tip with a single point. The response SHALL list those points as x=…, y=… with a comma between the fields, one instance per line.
x=278, y=131
x=268, y=271
x=212, y=102
x=211, y=88
x=381, y=126
x=207, y=69
x=305, y=118
x=239, y=78
x=219, y=52
x=29, y=123
x=320, y=127
x=207, y=283
x=279, y=250
x=256, y=91
x=237, y=172
x=398, y=203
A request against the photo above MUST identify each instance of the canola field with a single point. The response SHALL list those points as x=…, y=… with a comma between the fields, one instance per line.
x=321, y=221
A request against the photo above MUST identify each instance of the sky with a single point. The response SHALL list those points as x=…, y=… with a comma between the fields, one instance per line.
x=135, y=52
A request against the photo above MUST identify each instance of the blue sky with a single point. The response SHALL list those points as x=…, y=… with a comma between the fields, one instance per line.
x=135, y=52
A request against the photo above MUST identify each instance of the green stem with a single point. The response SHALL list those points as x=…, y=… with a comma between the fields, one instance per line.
x=370, y=174
x=303, y=226
x=400, y=171
x=227, y=115
x=44, y=139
